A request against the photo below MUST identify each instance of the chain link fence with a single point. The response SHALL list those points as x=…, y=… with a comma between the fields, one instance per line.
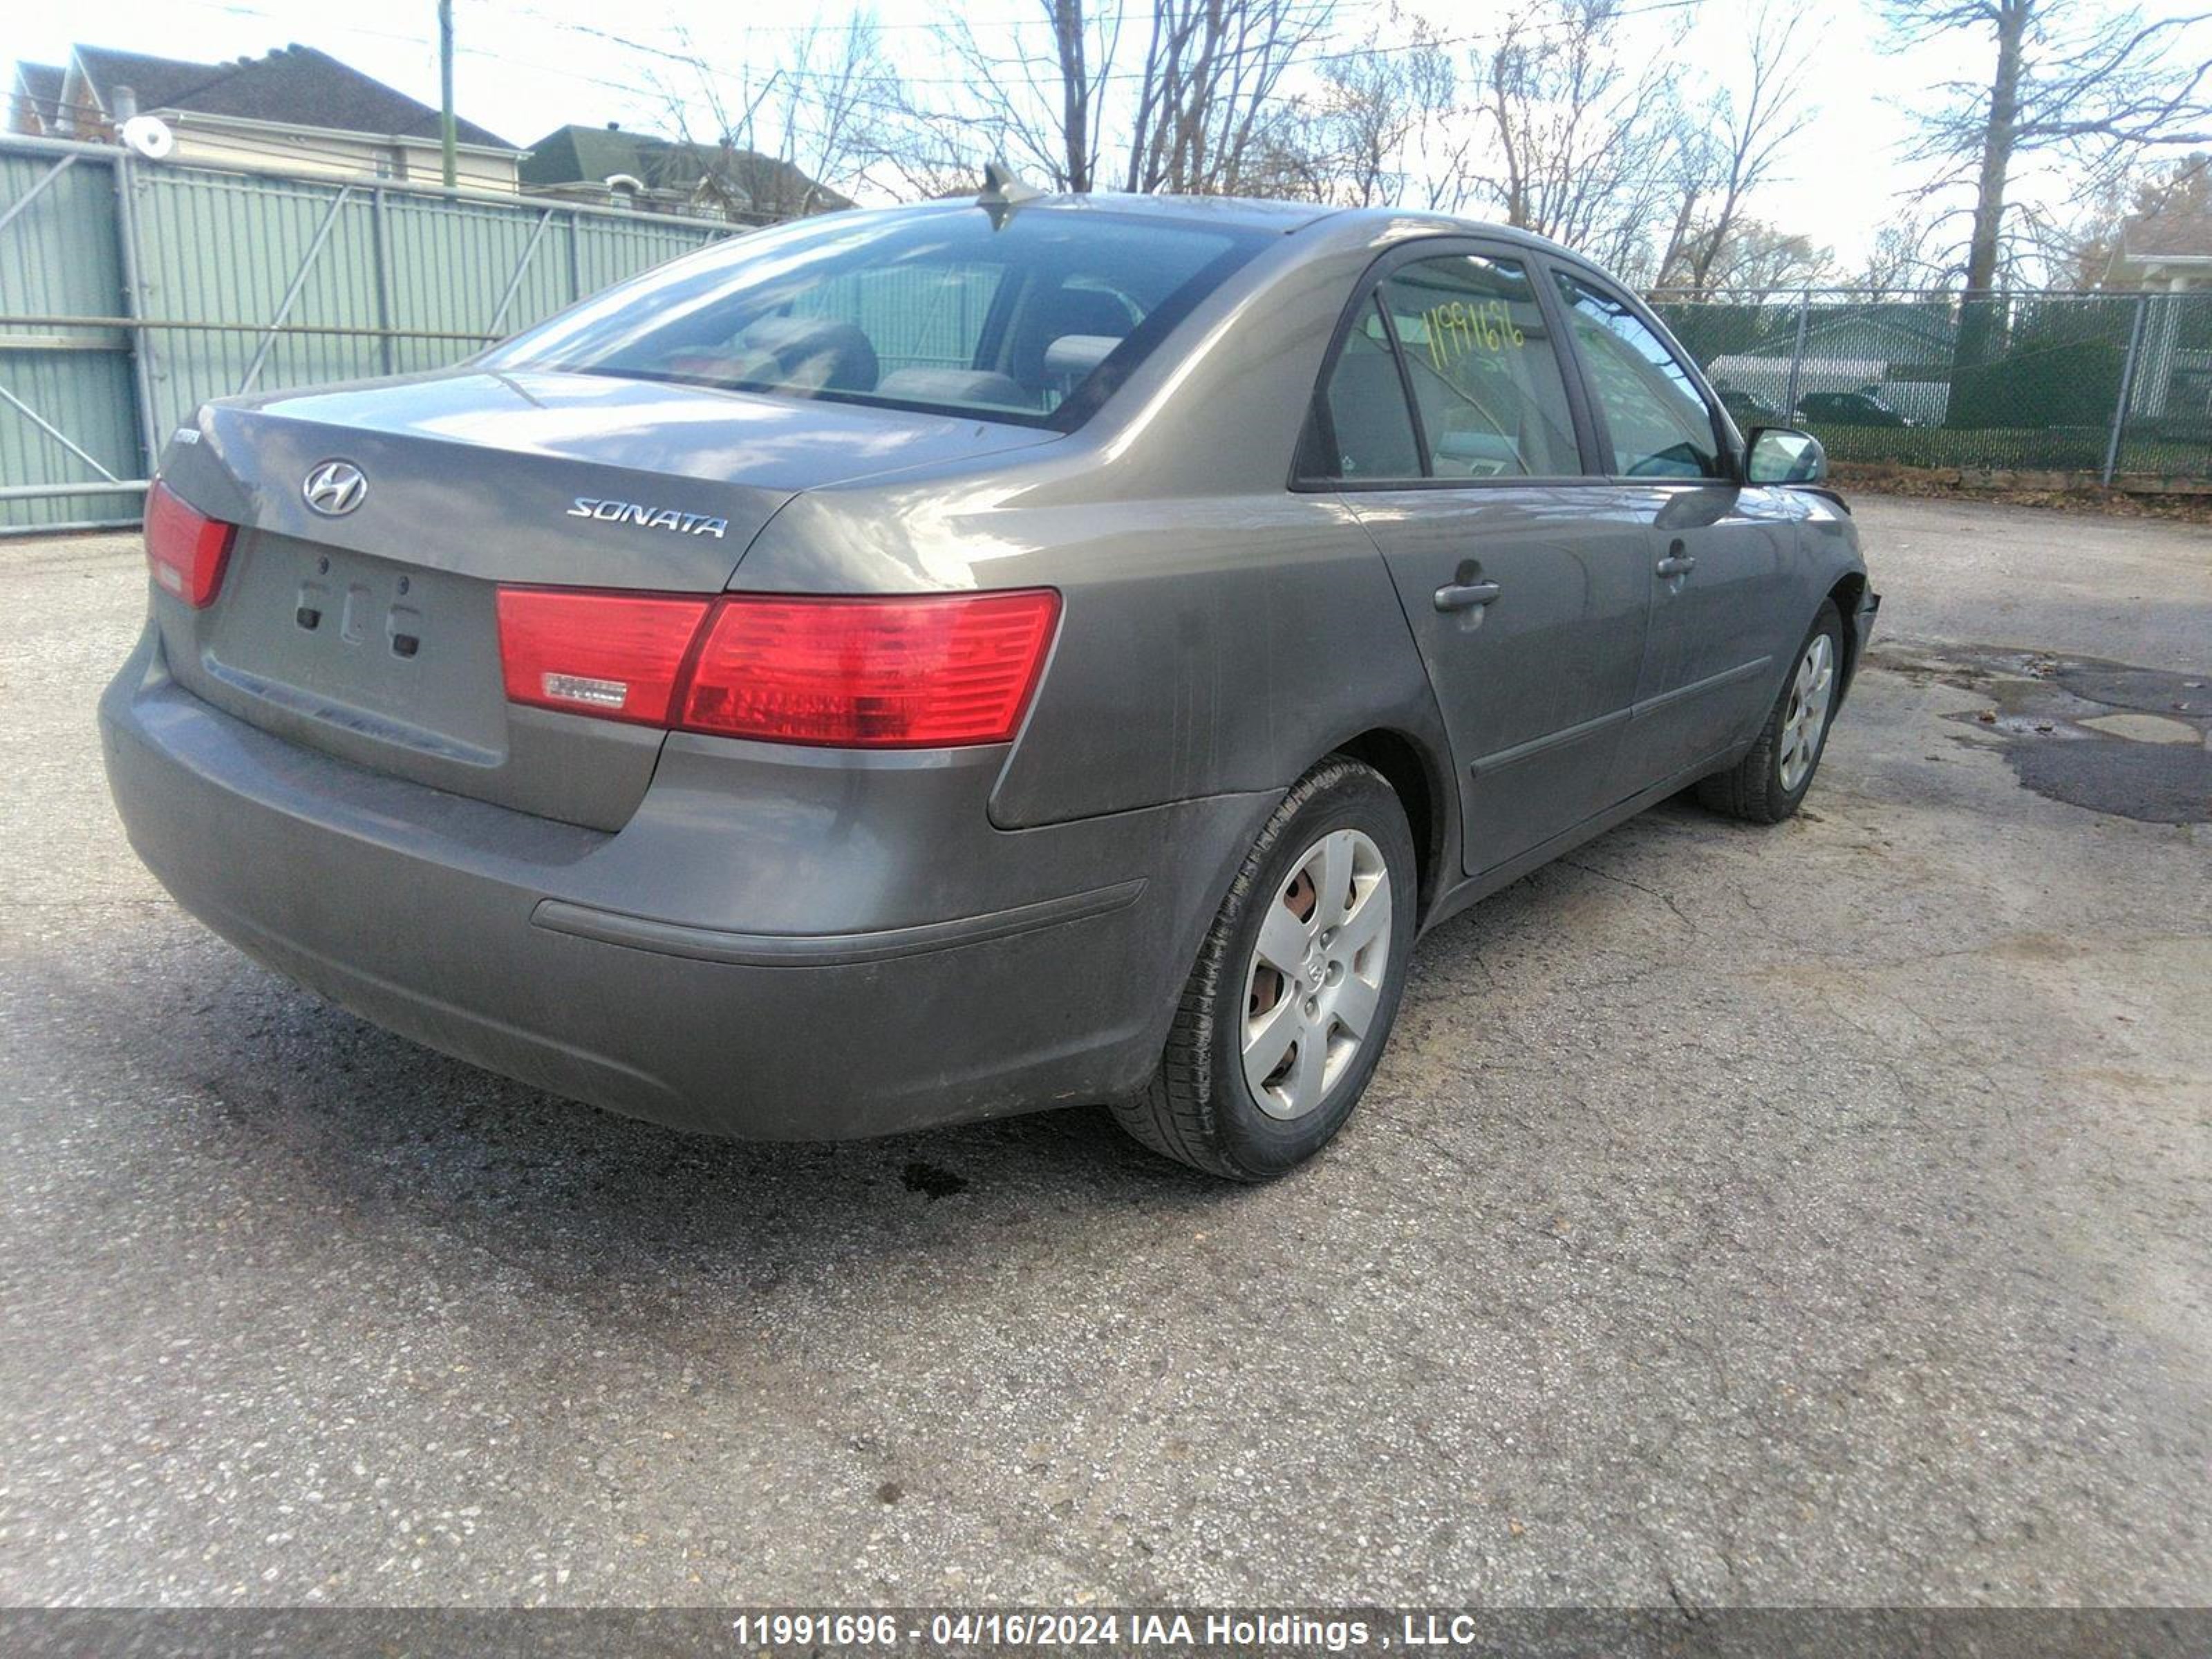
x=2115, y=386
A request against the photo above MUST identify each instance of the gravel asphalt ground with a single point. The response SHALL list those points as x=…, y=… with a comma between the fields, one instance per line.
x=1740, y=1216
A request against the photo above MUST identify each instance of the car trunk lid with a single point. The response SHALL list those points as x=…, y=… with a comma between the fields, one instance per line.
x=373, y=634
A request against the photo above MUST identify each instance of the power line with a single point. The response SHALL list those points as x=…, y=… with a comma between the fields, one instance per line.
x=866, y=93
x=697, y=58
x=1035, y=20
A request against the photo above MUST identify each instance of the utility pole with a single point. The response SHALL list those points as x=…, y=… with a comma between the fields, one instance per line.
x=445, y=87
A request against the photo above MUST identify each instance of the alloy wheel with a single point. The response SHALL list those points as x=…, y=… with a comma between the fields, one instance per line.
x=1805, y=722
x=1315, y=977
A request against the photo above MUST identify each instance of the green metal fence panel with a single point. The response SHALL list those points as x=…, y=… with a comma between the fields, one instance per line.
x=612, y=249
x=59, y=257
x=445, y=276
x=221, y=248
x=245, y=282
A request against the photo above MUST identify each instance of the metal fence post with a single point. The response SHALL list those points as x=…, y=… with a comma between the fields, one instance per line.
x=134, y=307
x=57, y=435
x=2127, y=390
x=380, y=243
x=32, y=194
x=521, y=270
x=1797, y=354
x=299, y=283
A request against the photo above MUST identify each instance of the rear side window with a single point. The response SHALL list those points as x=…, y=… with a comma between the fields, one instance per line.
x=1656, y=420
x=1484, y=371
x=1366, y=432
x=1034, y=318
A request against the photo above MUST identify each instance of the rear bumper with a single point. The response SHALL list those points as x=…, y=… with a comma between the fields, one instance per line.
x=607, y=967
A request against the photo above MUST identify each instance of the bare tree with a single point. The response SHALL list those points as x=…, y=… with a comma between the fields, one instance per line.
x=763, y=142
x=1207, y=95
x=1898, y=263
x=1077, y=91
x=2067, y=79
x=1185, y=95
x=1564, y=122
x=1360, y=139
x=833, y=86
x=1759, y=261
x=1042, y=107
x=1744, y=132
x=1578, y=134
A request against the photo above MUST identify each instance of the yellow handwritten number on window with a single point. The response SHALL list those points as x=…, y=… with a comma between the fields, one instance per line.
x=1455, y=329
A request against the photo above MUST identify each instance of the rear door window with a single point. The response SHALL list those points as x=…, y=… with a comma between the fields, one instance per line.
x=1656, y=419
x=1484, y=371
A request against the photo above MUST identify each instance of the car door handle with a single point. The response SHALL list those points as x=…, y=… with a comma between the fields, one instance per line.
x=1676, y=564
x=1465, y=596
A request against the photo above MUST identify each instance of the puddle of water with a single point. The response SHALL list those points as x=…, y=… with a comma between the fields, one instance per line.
x=2110, y=737
x=2145, y=729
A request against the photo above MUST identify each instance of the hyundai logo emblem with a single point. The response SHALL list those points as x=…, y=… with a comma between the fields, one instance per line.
x=334, y=489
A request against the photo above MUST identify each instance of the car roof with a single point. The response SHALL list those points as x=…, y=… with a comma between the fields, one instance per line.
x=1350, y=225
x=1245, y=212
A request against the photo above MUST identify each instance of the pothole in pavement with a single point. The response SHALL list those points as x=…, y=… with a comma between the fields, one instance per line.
x=2135, y=742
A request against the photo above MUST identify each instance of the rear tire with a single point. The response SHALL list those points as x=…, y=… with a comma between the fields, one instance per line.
x=1769, y=783
x=1286, y=1012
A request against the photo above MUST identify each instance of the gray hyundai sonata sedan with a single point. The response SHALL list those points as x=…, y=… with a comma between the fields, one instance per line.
x=920, y=666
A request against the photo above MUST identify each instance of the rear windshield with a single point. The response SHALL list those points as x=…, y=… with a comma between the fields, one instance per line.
x=1033, y=320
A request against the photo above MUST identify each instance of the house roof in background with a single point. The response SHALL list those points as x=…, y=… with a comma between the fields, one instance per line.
x=585, y=154
x=2180, y=232
x=572, y=154
x=296, y=86
x=41, y=84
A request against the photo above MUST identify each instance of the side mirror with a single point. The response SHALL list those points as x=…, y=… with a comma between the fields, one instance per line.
x=1782, y=455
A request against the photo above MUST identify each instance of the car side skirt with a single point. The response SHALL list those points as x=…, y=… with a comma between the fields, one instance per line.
x=1453, y=900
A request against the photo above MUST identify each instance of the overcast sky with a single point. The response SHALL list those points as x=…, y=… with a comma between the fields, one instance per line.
x=525, y=68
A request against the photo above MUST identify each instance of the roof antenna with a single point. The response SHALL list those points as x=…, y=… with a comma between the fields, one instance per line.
x=1003, y=192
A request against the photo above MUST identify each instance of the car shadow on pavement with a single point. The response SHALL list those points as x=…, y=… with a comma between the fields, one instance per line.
x=194, y=1054
x=253, y=1091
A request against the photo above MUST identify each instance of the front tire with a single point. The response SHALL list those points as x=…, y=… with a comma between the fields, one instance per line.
x=1769, y=783
x=1285, y=1014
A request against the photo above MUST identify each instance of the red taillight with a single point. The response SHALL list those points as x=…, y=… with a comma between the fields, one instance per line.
x=185, y=549
x=906, y=673
x=922, y=672
x=615, y=655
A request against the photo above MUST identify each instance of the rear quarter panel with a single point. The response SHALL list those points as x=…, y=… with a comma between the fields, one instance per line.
x=1221, y=632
